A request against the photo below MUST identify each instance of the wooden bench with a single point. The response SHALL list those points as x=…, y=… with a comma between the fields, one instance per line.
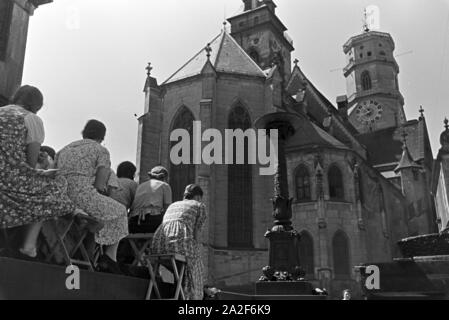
x=176, y=264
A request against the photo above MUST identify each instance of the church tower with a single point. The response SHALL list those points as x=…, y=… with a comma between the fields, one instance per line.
x=14, y=20
x=371, y=73
x=262, y=35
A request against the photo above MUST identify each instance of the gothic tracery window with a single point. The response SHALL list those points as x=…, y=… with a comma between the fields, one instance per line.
x=240, y=199
x=302, y=179
x=336, y=189
x=340, y=250
x=366, y=81
x=184, y=174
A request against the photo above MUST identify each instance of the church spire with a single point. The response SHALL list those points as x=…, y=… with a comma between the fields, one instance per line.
x=407, y=161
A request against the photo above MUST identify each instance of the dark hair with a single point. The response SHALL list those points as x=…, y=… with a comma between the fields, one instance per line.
x=192, y=191
x=50, y=151
x=28, y=97
x=158, y=173
x=126, y=170
x=94, y=130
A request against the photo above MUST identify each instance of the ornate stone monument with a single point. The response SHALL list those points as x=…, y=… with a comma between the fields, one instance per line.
x=284, y=275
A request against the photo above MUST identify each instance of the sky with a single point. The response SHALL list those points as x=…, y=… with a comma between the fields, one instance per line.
x=89, y=56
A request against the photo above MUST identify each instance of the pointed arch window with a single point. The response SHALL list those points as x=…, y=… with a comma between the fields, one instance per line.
x=240, y=199
x=366, y=81
x=302, y=179
x=306, y=254
x=336, y=189
x=184, y=174
x=340, y=250
x=6, y=8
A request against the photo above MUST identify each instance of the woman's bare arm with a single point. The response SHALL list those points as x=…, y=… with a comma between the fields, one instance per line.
x=101, y=179
x=32, y=153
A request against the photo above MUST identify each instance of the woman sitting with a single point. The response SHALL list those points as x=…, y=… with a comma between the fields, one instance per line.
x=86, y=166
x=152, y=199
x=180, y=233
x=27, y=196
x=127, y=187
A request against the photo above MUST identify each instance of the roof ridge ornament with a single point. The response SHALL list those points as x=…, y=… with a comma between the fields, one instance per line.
x=149, y=68
x=365, y=21
x=296, y=61
x=208, y=51
x=421, y=111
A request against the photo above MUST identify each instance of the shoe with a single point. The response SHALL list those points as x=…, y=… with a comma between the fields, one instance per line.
x=107, y=265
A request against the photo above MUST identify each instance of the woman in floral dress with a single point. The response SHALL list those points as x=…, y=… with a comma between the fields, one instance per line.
x=86, y=165
x=180, y=233
x=27, y=196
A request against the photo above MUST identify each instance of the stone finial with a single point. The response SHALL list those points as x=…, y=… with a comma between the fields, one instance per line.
x=404, y=138
x=208, y=51
x=444, y=139
x=407, y=161
x=421, y=111
x=296, y=61
x=225, y=24
x=365, y=21
x=149, y=68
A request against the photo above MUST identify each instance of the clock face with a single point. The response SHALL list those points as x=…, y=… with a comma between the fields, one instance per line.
x=369, y=112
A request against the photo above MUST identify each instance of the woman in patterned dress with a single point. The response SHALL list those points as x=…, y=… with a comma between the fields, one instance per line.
x=86, y=165
x=180, y=233
x=27, y=196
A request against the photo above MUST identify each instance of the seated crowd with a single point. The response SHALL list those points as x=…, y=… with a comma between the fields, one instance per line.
x=38, y=185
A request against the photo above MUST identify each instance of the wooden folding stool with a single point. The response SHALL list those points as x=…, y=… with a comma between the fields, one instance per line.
x=84, y=225
x=139, y=243
x=176, y=264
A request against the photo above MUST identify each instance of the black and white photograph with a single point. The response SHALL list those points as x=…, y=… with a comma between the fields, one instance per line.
x=226, y=154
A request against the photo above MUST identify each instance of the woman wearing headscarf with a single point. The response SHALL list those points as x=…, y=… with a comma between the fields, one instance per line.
x=27, y=196
x=86, y=165
x=180, y=233
x=150, y=203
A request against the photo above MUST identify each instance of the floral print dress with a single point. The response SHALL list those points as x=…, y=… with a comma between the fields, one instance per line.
x=26, y=196
x=180, y=233
x=78, y=163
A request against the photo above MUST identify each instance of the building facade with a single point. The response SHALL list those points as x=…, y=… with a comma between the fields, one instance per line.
x=14, y=19
x=359, y=172
x=440, y=182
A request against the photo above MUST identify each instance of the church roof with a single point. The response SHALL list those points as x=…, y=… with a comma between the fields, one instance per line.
x=227, y=56
x=385, y=146
x=310, y=135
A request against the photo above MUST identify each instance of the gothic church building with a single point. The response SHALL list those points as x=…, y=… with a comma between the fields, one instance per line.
x=359, y=171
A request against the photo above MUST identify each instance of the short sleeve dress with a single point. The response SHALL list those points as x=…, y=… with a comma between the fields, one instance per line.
x=26, y=196
x=180, y=233
x=78, y=163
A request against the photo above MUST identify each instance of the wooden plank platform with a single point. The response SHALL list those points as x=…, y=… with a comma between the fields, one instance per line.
x=22, y=280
